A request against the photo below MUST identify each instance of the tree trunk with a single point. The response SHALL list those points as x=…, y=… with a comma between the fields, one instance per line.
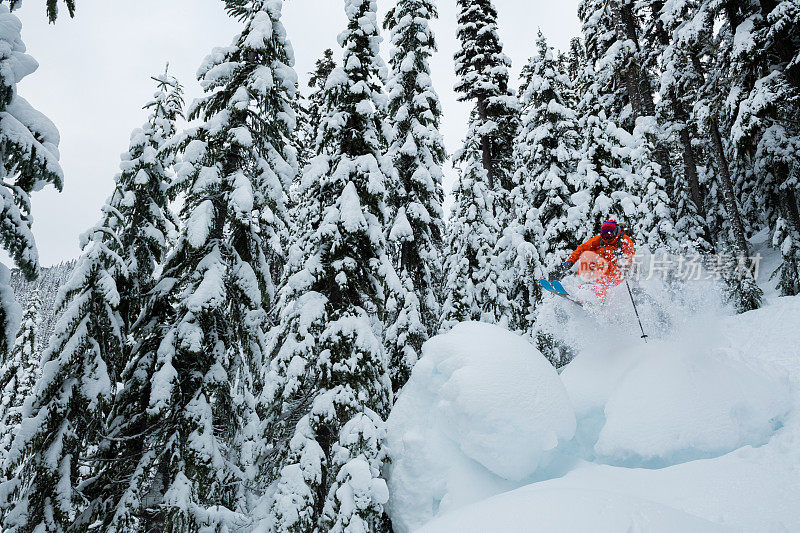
x=689, y=160
x=790, y=204
x=690, y=173
x=783, y=46
x=731, y=11
x=726, y=184
x=640, y=90
x=486, y=145
x=724, y=174
x=632, y=87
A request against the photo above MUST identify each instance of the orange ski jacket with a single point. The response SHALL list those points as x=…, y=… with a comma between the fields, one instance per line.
x=605, y=250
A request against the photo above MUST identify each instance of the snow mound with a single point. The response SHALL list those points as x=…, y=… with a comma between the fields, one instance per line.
x=480, y=411
x=672, y=401
x=685, y=406
x=558, y=510
x=593, y=376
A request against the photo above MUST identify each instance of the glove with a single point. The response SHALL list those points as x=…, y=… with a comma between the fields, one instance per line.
x=566, y=267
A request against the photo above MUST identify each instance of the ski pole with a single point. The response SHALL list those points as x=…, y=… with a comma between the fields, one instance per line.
x=644, y=335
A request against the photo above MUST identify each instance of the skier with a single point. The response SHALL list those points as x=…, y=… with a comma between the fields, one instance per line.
x=602, y=256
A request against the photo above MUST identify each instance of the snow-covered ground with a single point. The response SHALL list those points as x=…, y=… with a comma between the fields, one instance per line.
x=697, y=430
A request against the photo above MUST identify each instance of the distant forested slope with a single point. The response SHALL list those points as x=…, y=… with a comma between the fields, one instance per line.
x=50, y=280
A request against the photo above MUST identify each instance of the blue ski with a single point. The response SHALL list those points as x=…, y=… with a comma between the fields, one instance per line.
x=556, y=288
x=559, y=288
x=546, y=285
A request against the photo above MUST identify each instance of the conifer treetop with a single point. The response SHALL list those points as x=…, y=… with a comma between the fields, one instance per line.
x=482, y=68
x=480, y=62
x=51, y=6
x=147, y=224
x=356, y=87
x=252, y=82
x=315, y=109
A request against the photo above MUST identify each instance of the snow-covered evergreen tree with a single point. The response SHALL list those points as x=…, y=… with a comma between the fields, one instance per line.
x=329, y=387
x=473, y=283
x=19, y=373
x=416, y=224
x=709, y=36
x=315, y=109
x=574, y=63
x=654, y=224
x=145, y=230
x=690, y=33
x=604, y=178
x=674, y=113
x=47, y=285
x=302, y=141
x=542, y=234
x=473, y=278
x=186, y=435
x=311, y=111
x=623, y=60
x=28, y=163
x=547, y=155
x=142, y=197
x=63, y=418
x=765, y=132
x=89, y=351
x=482, y=68
x=518, y=256
x=606, y=56
x=787, y=239
x=624, y=173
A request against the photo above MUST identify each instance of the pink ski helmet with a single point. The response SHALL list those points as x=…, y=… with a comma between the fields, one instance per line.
x=609, y=230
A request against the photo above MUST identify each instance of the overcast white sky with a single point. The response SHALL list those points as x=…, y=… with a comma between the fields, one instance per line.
x=94, y=77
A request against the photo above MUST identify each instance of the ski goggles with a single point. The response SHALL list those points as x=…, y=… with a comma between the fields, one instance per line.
x=608, y=234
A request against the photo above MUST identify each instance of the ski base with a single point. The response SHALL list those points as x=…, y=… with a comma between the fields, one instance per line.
x=556, y=288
